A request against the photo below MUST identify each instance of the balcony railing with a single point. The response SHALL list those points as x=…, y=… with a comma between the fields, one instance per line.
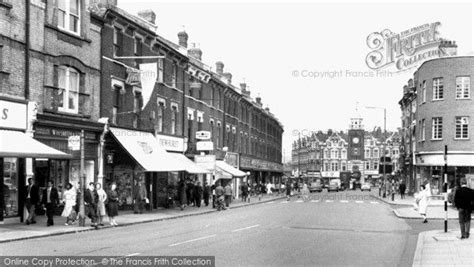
x=53, y=102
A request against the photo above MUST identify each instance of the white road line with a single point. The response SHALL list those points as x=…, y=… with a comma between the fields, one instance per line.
x=299, y=201
x=359, y=201
x=271, y=202
x=344, y=201
x=329, y=201
x=133, y=254
x=285, y=202
x=374, y=202
x=192, y=240
x=315, y=200
x=245, y=228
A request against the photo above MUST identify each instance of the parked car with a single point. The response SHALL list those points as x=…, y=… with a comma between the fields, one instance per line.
x=316, y=186
x=366, y=186
x=333, y=186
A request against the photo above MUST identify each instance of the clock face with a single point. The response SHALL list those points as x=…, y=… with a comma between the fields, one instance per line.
x=355, y=140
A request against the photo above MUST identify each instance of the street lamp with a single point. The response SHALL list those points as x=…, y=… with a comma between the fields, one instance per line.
x=383, y=144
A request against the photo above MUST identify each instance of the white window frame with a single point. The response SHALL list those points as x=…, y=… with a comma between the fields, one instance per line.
x=461, y=126
x=438, y=89
x=67, y=90
x=463, y=87
x=191, y=114
x=200, y=116
x=437, y=128
x=67, y=14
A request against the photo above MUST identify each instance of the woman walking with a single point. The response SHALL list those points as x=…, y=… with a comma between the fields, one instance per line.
x=422, y=200
x=101, y=204
x=112, y=204
x=69, y=199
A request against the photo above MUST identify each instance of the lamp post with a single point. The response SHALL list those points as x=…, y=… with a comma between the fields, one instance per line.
x=383, y=145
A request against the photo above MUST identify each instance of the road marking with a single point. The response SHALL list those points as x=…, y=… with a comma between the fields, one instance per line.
x=133, y=254
x=359, y=201
x=299, y=201
x=245, y=228
x=285, y=202
x=329, y=201
x=192, y=240
x=271, y=202
x=315, y=200
x=374, y=202
x=344, y=201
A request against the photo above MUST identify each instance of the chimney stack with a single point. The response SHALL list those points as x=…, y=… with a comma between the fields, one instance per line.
x=148, y=15
x=219, y=67
x=195, y=52
x=228, y=76
x=259, y=100
x=183, y=39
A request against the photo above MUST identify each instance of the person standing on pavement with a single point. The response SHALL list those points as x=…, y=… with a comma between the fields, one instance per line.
x=32, y=200
x=69, y=199
x=245, y=192
x=463, y=200
x=422, y=200
x=197, y=194
x=50, y=201
x=228, y=194
x=206, y=193
x=189, y=192
x=112, y=204
x=182, y=193
x=220, y=197
x=402, y=188
x=101, y=203
x=288, y=190
x=91, y=199
x=139, y=197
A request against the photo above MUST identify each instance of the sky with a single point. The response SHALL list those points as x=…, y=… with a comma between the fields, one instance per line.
x=275, y=46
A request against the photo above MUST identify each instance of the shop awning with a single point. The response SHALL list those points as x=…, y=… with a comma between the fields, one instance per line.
x=221, y=165
x=146, y=150
x=188, y=164
x=19, y=145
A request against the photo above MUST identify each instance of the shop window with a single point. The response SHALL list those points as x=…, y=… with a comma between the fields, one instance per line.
x=463, y=85
x=74, y=172
x=69, y=15
x=68, y=83
x=10, y=187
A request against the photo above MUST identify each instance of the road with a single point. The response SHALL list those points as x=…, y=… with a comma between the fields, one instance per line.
x=345, y=228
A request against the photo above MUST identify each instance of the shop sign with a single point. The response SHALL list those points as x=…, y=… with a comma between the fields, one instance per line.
x=232, y=159
x=249, y=163
x=171, y=143
x=203, y=135
x=13, y=115
x=330, y=174
x=46, y=131
x=208, y=162
x=74, y=142
x=204, y=146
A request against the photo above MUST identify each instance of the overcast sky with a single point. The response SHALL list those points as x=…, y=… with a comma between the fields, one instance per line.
x=270, y=45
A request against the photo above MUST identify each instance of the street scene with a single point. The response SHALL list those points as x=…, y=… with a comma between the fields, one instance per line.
x=234, y=133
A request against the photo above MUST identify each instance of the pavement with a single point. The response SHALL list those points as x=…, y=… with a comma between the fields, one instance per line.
x=437, y=248
x=13, y=230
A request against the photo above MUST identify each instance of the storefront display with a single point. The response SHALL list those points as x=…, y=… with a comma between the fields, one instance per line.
x=10, y=187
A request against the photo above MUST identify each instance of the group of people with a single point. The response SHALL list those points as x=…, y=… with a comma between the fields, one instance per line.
x=192, y=193
x=97, y=203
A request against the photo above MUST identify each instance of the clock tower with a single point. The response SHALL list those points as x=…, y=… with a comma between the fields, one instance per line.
x=356, y=139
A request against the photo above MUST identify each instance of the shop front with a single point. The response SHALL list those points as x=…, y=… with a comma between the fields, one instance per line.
x=261, y=171
x=17, y=149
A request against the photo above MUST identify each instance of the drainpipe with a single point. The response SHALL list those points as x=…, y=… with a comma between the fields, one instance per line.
x=27, y=50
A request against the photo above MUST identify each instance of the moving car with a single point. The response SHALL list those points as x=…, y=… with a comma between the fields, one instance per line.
x=365, y=186
x=315, y=186
x=333, y=186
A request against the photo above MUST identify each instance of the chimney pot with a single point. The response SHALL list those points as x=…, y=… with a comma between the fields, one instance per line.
x=243, y=87
x=219, y=67
x=183, y=39
x=148, y=15
x=228, y=76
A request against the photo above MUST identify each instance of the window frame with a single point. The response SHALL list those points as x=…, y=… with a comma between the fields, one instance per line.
x=460, y=124
x=434, y=130
x=462, y=90
x=438, y=89
x=67, y=14
x=67, y=90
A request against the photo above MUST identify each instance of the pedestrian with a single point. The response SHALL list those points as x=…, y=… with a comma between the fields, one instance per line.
x=463, y=200
x=101, y=212
x=197, y=194
x=402, y=188
x=50, y=201
x=32, y=200
x=422, y=200
x=263, y=190
x=305, y=192
x=139, y=197
x=69, y=199
x=91, y=199
x=182, y=193
x=227, y=194
x=245, y=192
x=206, y=193
x=220, y=197
x=269, y=188
x=112, y=204
x=189, y=192
x=288, y=190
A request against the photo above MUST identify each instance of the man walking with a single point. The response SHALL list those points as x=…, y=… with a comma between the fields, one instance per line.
x=206, y=193
x=220, y=197
x=197, y=194
x=245, y=192
x=463, y=200
x=402, y=187
x=91, y=198
x=227, y=194
x=32, y=199
x=50, y=201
